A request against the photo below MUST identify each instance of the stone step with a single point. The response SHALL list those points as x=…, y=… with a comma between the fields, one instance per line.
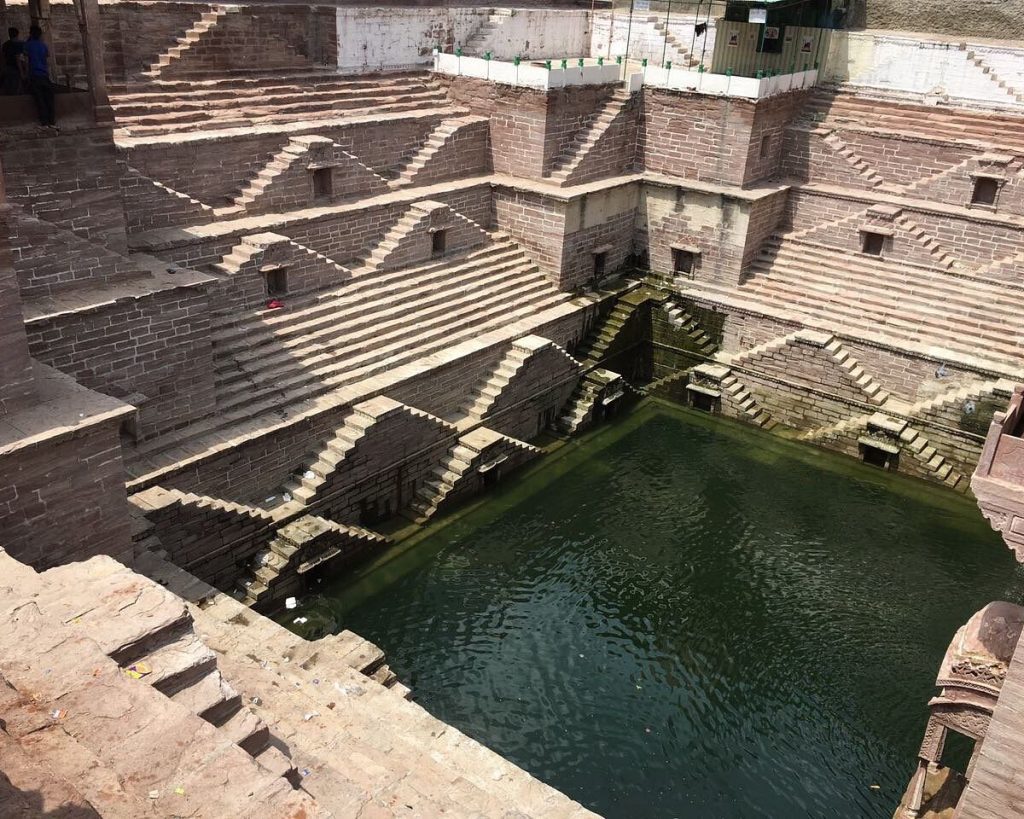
x=405, y=336
x=355, y=335
x=358, y=289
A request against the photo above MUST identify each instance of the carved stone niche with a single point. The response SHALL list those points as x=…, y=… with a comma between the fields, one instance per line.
x=971, y=676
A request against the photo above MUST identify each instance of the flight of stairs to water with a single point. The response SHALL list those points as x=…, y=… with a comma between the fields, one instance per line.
x=168, y=106
x=375, y=322
x=873, y=297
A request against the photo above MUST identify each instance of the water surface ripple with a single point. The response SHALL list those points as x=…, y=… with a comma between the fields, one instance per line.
x=686, y=620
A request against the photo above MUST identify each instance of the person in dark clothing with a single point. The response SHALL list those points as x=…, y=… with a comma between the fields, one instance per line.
x=10, y=53
x=37, y=56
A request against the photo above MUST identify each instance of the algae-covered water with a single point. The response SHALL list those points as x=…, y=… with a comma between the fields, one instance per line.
x=680, y=617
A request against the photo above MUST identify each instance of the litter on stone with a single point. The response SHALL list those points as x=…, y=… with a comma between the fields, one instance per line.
x=300, y=620
x=291, y=603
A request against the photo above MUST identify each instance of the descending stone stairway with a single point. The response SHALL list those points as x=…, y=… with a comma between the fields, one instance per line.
x=579, y=409
x=1012, y=94
x=440, y=137
x=587, y=138
x=481, y=400
x=741, y=397
x=462, y=460
x=853, y=159
x=374, y=322
x=864, y=109
x=207, y=21
x=305, y=485
x=362, y=749
x=681, y=320
x=170, y=107
x=677, y=53
x=477, y=42
x=874, y=298
x=591, y=353
x=299, y=548
x=292, y=152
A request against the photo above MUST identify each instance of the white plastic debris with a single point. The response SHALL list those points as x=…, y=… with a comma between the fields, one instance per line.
x=154, y=794
x=286, y=497
x=309, y=475
x=301, y=620
x=271, y=499
x=310, y=715
x=291, y=603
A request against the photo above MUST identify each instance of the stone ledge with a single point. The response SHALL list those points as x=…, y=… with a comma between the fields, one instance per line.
x=63, y=409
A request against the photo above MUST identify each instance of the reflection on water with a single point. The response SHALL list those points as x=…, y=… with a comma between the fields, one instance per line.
x=681, y=618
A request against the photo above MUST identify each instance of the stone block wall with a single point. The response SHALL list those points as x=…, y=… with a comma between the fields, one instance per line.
x=695, y=136
x=150, y=205
x=213, y=171
x=518, y=123
x=242, y=284
x=72, y=180
x=157, y=345
x=713, y=224
x=615, y=151
x=975, y=240
x=537, y=391
x=17, y=387
x=600, y=227
x=210, y=538
x=534, y=221
x=49, y=260
x=62, y=497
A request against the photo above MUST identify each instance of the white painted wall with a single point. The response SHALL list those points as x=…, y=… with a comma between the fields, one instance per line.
x=610, y=33
x=928, y=70
x=376, y=39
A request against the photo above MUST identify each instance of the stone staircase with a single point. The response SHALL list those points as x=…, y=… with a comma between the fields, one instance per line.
x=375, y=322
x=178, y=107
x=874, y=298
x=753, y=413
x=440, y=137
x=579, y=409
x=682, y=321
x=573, y=156
x=1012, y=93
x=854, y=160
x=299, y=548
x=463, y=460
x=304, y=486
x=481, y=400
x=206, y=22
x=476, y=43
x=361, y=748
x=861, y=109
x=928, y=242
x=592, y=349
x=678, y=53
x=150, y=635
x=292, y=152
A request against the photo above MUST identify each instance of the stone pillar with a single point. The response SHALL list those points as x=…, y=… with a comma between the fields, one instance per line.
x=92, y=46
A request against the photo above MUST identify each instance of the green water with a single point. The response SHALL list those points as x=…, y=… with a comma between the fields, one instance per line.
x=684, y=618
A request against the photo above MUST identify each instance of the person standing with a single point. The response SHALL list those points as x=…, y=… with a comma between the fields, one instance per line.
x=10, y=53
x=37, y=55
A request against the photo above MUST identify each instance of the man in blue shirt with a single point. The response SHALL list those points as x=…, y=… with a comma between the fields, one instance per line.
x=37, y=55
